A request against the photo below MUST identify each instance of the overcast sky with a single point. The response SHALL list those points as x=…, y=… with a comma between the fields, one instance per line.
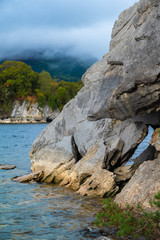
x=73, y=26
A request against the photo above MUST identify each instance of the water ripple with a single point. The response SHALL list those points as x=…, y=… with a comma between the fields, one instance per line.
x=37, y=211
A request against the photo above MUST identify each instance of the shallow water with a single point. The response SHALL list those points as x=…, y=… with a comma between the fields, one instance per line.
x=38, y=211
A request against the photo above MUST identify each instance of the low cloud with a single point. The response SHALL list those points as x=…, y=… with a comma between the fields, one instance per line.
x=73, y=40
x=76, y=27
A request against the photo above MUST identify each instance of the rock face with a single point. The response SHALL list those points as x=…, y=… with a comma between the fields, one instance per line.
x=143, y=185
x=82, y=153
x=155, y=141
x=30, y=113
x=88, y=144
x=129, y=75
x=145, y=182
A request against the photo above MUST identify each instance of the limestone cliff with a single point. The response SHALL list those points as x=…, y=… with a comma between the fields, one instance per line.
x=88, y=144
x=28, y=112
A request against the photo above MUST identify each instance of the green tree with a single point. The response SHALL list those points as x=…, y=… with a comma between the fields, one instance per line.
x=5, y=100
x=19, y=81
x=41, y=98
x=52, y=102
x=45, y=81
x=19, y=77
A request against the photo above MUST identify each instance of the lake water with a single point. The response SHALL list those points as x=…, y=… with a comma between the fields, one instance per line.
x=40, y=211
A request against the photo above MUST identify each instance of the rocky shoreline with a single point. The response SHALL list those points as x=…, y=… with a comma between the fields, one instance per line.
x=29, y=112
x=87, y=146
x=20, y=121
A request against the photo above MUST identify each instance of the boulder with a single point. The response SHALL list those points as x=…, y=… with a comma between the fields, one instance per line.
x=142, y=187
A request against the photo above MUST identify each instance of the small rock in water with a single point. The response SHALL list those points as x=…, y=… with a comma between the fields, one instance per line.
x=36, y=176
x=7, y=167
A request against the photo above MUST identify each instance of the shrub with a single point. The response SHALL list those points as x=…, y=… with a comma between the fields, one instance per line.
x=130, y=221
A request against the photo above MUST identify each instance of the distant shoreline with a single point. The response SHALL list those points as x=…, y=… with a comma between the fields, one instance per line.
x=20, y=121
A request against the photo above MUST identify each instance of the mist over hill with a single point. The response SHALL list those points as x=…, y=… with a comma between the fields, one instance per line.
x=61, y=66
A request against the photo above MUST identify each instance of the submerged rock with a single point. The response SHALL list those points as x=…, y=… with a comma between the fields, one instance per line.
x=7, y=167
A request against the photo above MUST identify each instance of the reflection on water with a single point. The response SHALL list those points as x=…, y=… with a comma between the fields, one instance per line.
x=37, y=211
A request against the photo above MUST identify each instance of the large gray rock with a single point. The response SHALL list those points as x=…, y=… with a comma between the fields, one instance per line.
x=74, y=151
x=84, y=149
x=128, y=77
x=142, y=187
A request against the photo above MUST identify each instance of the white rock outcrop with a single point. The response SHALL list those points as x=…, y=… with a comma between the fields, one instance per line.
x=30, y=112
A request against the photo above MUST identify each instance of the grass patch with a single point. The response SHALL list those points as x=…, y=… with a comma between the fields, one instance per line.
x=132, y=223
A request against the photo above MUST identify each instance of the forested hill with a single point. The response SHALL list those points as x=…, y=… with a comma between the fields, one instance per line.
x=65, y=68
x=19, y=82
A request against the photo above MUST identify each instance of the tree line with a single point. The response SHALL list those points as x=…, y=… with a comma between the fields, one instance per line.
x=19, y=82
